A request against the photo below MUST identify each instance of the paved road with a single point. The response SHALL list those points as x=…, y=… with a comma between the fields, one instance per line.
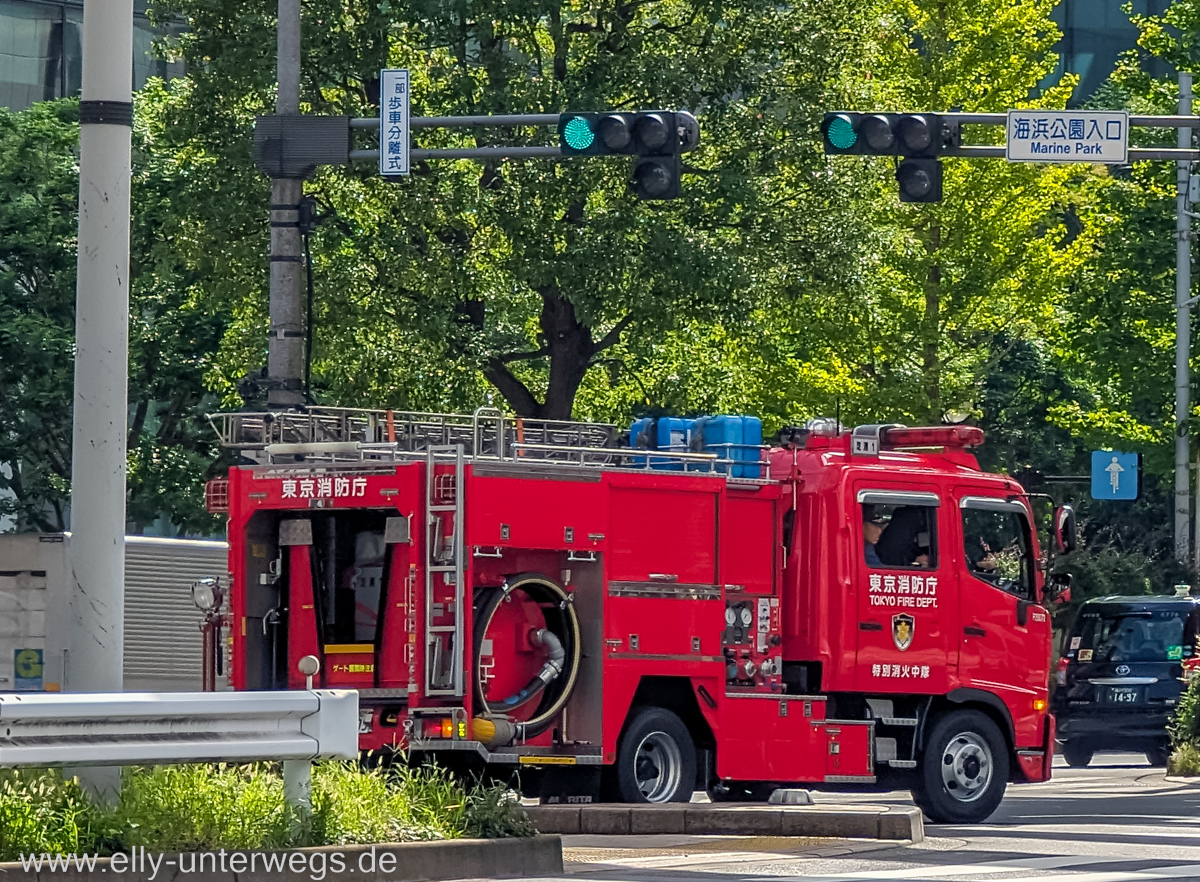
x=1118, y=820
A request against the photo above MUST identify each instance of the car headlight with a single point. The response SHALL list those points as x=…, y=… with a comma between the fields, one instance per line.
x=206, y=594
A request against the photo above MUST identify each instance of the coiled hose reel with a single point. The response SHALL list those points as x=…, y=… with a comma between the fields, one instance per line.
x=556, y=679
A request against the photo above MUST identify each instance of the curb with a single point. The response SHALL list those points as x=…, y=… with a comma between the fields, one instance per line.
x=841, y=822
x=1187, y=781
x=399, y=862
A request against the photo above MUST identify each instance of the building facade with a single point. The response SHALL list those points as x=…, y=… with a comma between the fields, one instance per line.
x=1095, y=32
x=41, y=52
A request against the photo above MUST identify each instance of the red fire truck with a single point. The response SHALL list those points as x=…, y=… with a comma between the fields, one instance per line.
x=533, y=595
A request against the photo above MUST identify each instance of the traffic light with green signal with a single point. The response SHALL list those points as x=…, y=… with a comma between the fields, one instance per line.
x=917, y=137
x=655, y=137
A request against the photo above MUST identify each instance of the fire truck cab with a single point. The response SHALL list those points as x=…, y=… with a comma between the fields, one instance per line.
x=636, y=624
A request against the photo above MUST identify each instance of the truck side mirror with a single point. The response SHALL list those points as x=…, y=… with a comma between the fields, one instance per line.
x=1065, y=532
x=1060, y=587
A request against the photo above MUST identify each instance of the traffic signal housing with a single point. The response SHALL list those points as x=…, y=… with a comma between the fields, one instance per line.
x=917, y=137
x=657, y=177
x=914, y=135
x=655, y=137
x=653, y=132
x=920, y=180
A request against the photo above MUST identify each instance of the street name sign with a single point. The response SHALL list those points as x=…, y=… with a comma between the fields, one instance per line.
x=1100, y=136
x=1115, y=475
x=393, y=122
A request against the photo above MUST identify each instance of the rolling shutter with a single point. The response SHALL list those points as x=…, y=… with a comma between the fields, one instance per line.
x=162, y=626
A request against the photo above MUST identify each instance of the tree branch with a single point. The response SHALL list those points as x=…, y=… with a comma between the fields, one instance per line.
x=614, y=335
x=514, y=391
x=521, y=356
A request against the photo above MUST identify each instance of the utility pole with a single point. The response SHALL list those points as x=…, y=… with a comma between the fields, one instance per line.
x=1183, y=331
x=96, y=625
x=285, y=347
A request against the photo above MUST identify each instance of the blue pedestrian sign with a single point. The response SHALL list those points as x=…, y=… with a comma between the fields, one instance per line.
x=1114, y=475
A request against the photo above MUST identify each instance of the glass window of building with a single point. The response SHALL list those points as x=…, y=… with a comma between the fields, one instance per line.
x=41, y=51
x=1095, y=32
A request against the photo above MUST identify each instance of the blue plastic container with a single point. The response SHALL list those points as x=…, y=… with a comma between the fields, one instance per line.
x=735, y=438
x=667, y=434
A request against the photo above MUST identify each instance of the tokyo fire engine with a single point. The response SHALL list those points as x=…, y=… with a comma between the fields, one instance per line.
x=634, y=617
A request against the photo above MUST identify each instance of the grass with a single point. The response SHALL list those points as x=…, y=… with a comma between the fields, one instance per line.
x=206, y=807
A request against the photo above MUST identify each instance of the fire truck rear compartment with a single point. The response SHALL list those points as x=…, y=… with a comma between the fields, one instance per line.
x=317, y=583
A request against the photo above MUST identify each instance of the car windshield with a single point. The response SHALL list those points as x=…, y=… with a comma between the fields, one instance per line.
x=1130, y=636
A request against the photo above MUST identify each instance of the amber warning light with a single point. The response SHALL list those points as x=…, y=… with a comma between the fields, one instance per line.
x=933, y=436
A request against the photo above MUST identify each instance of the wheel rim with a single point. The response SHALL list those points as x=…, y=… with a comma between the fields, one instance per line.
x=657, y=767
x=967, y=767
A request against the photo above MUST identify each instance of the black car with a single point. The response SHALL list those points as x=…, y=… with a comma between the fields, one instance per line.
x=1121, y=675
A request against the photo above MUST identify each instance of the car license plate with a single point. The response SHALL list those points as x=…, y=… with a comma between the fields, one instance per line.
x=364, y=722
x=1123, y=694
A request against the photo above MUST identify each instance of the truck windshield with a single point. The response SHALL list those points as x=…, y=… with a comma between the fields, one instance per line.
x=1102, y=636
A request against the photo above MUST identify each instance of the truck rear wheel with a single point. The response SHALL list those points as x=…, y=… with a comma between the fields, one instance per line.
x=656, y=761
x=964, y=770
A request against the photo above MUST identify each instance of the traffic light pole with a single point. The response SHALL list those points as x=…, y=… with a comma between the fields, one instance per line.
x=285, y=345
x=1183, y=325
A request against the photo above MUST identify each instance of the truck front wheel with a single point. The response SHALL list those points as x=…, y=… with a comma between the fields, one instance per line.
x=657, y=760
x=964, y=770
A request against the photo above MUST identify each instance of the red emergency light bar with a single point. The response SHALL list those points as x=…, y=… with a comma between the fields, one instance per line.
x=932, y=436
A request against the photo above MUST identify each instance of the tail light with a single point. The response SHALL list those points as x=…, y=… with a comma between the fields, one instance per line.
x=1062, y=671
x=437, y=728
x=216, y=495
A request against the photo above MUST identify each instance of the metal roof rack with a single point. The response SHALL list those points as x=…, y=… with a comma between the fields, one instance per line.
x=348, y=436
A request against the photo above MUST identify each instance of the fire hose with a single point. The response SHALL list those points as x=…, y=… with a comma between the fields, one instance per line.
x=556, y=679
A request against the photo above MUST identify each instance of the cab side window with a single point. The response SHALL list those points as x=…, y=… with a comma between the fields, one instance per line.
x=996, y=549
x=899, y=536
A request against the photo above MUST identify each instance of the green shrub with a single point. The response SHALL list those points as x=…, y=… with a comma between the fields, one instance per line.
x=1185, y=724
x=1185, y=760
x=208, y=807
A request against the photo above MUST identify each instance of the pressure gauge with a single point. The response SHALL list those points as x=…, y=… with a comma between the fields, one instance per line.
x=746, y=616
x=730, y=616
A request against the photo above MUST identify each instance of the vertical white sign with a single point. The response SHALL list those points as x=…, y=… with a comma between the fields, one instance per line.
x=393, y=122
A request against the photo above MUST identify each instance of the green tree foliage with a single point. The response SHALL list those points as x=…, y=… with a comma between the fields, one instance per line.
x=39, y=191
x=933, y=296
x=994, y=259
x=172, y=331
x=531, y=274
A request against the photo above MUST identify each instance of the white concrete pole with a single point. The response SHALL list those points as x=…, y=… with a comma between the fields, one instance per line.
x=97, y=550
x=1183, y=330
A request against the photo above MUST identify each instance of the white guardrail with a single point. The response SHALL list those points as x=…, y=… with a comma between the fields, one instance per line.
x=158, y=728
